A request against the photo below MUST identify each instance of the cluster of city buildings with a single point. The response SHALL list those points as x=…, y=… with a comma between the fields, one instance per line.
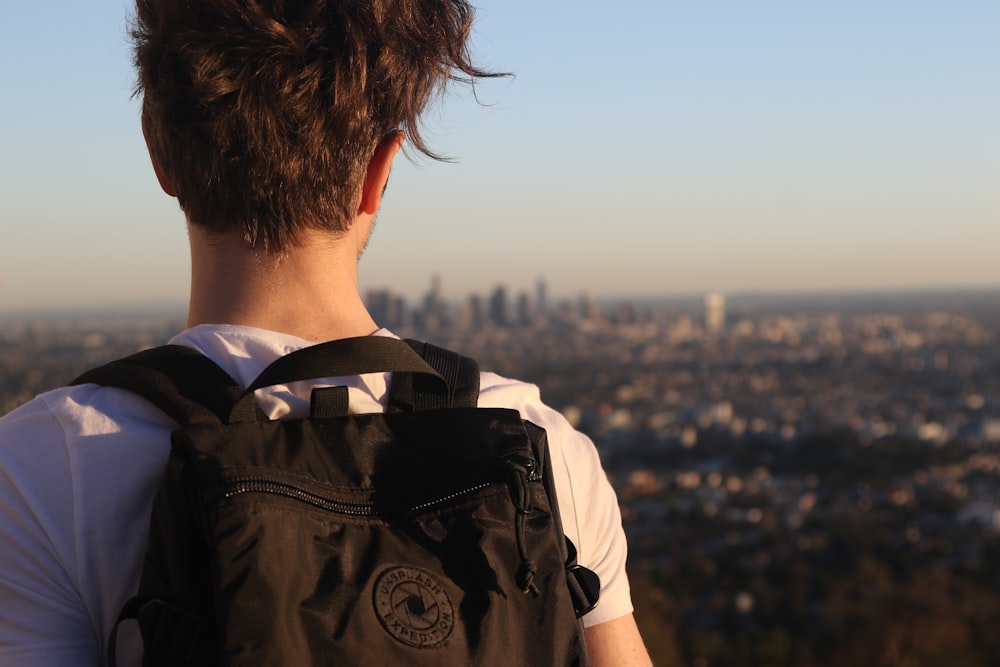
x=684, y=370
x=671, y=391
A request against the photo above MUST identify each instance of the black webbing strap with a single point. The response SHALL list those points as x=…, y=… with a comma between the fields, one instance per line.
x=446, y=363
x=328, y=402
x=185, y=384
x=337, y=358
x=461, y=374
x=343, y=357
x=584, y=584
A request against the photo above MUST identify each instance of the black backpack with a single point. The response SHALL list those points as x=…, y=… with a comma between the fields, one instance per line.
x=425, y=535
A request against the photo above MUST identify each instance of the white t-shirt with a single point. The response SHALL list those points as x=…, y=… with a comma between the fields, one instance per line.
x=79, y=467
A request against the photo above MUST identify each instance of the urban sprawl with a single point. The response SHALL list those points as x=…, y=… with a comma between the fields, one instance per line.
x=805, y=480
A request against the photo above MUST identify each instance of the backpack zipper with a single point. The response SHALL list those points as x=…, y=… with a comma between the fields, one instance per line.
x=521, y=470
x=246, y=485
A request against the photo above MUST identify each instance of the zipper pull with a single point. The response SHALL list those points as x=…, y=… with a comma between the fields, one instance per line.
x=523, y=470
x=526, y=465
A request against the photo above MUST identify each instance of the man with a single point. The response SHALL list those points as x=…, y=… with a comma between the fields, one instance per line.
x=274, y=123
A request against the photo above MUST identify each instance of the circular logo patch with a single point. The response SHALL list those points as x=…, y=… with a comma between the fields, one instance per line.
x=413, y=607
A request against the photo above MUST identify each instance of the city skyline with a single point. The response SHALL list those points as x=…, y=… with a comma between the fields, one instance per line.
x=453, y=300
x=728, y=149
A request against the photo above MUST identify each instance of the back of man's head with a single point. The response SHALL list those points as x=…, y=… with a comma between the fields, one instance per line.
x=264, y=114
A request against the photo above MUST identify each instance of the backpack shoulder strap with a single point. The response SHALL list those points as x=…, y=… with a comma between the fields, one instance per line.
x=185, y=384
x=413, y=393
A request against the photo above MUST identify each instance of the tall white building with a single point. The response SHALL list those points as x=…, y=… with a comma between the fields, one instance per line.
x=715, y=312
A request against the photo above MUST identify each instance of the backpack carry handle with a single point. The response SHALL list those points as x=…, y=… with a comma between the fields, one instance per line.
x=335, y=358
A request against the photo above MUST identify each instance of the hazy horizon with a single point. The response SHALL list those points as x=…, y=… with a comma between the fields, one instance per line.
x=908, y=298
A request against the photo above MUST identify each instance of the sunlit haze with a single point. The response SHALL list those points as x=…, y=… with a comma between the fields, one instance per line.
x=642, y=148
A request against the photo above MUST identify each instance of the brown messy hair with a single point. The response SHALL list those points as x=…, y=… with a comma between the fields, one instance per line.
x=264, y=114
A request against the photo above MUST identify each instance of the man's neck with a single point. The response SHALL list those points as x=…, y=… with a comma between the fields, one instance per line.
x=310, y=292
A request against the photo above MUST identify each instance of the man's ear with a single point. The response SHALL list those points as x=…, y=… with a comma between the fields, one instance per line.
x=378, y=172
x=165, y=183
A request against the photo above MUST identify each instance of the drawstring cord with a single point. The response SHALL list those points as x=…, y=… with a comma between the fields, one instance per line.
x=521, y=471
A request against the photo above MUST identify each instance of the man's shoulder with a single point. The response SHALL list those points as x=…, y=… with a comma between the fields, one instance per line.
x=75, y=429
x=53, y=412
x=80, y=410
x=497, y=391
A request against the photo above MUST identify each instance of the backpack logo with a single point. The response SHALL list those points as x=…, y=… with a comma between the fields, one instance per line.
x=413, y=606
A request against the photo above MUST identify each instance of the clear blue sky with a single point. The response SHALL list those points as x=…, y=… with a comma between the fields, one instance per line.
x=643, y=148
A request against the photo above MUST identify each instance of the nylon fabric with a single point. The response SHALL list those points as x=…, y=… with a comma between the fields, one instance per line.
x=385, y=538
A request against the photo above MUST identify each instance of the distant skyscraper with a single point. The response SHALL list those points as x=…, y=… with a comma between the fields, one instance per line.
x=523, y=309
x=433, y=315
x=715, y=312
x=475, y=311
x=499, y=308
x=541, y=297
x=434, y=302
